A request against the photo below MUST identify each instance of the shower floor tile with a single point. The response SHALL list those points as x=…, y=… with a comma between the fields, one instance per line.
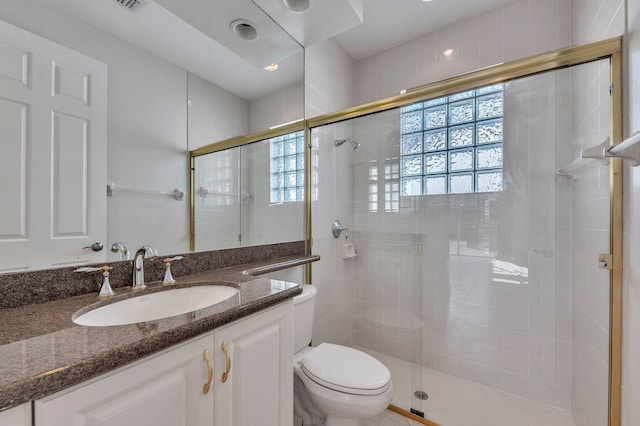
x=454, y=401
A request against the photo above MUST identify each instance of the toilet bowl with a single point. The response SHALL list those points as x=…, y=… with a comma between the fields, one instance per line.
x=342, y=384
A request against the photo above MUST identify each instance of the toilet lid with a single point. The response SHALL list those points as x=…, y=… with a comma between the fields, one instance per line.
x=346, y=370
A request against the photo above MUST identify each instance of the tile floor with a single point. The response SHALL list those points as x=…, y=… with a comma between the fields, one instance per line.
x=459, y=402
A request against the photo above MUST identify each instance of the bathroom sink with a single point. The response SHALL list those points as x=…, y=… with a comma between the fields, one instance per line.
x=154, y=306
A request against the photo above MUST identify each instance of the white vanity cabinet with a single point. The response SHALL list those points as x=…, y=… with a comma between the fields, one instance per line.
x=166, y=390
x=257, y=354
x=16, y=416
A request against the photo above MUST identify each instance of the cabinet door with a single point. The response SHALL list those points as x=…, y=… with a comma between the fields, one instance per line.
x=16, y=416
x=166, y=390
x=259, y=386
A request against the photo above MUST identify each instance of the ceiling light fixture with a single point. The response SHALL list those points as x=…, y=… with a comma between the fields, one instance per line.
x=244, y=29
x=299, y=6
x=272, y=67
x=449, y=53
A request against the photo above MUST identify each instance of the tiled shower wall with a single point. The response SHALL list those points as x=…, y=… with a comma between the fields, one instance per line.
x=328, y=88
x=492, y=269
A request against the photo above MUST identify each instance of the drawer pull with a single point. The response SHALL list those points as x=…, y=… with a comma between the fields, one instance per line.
x=207, y=385
x=225, y=348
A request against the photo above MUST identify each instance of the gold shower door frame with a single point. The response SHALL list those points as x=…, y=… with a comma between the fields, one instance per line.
x=607, y=49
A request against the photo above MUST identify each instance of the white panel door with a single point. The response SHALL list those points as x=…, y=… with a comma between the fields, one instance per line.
x=53, y=121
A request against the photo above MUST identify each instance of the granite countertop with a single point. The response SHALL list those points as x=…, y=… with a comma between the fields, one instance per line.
x=42, y=351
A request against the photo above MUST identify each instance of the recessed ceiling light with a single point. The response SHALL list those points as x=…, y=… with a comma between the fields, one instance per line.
x=448, y=53
x=244, y=29
x=272, y=67
x=297, y=5
x=426, y=1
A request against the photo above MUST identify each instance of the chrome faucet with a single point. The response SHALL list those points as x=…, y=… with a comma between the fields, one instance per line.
x=137, y=281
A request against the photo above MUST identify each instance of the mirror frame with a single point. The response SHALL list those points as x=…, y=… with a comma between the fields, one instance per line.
x=235, y=142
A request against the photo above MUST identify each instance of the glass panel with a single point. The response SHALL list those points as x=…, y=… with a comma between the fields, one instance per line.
x=435, y=117
x=411, y=143
x=462, y=95
x=461, y=183
x=277, y=149
x=411, y=122
x=278, y=165
x=300, y=162
x=460, y=136
x=300, y=178
x=435, y=185
x=411, y=186
x=489, y=156
x=289, y=195
x=277, y=196
x=490, y=106
x=412, y=165
x=461, y=159
x=489, y=89
x=289, y=146
x=435, y=140
x=277, y=181
x=300, y=142
x=489, y=131
x=411, y=107
x=489, y=181
x=435, y=163
x=434, y=102
x=299, y=194
x=289, y=179
x=290, y=163
x=461, y=112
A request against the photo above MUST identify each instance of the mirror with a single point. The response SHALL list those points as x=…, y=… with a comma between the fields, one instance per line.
x=161, y=57
x=235, y=205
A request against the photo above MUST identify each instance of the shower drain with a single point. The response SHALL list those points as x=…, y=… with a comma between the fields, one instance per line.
x=421, y=395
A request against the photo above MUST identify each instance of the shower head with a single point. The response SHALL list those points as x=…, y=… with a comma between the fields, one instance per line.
x=353, y=143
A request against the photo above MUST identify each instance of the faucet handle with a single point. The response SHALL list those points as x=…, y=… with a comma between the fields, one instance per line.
x=105, y=287
x=168, y=278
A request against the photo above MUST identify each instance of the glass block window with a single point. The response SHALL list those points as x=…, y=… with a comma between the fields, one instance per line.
x=287, y=168
x=453, y=144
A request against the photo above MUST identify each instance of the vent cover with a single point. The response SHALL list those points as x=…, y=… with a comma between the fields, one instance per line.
x=132, y=5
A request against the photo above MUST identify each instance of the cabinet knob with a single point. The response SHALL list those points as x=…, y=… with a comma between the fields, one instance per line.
x=207, y=359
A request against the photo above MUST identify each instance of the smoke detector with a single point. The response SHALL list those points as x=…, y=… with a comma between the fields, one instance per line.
x=131, y=5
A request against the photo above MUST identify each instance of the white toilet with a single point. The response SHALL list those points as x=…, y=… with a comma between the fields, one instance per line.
x=342, y=384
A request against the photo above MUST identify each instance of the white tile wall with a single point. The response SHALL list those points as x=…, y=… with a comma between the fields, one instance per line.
x=516, y=30
x=214, y=114
x=328, y=88
x=281, y=107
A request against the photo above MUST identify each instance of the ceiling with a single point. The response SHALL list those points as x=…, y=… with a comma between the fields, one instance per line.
x=183, y=37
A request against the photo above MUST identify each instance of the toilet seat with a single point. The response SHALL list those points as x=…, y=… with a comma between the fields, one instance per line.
x=346, y=370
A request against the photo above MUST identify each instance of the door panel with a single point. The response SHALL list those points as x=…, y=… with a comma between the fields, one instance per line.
x=53, y=102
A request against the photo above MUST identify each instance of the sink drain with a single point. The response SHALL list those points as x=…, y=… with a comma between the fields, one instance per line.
x=421, y=395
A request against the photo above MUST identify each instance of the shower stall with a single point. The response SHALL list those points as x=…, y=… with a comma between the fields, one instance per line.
x=471, y=263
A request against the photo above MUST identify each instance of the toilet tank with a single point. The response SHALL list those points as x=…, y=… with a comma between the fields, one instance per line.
x=303, y=306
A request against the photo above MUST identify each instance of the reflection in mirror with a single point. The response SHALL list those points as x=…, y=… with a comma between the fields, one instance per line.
x=156, y=60
x=250, y=194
